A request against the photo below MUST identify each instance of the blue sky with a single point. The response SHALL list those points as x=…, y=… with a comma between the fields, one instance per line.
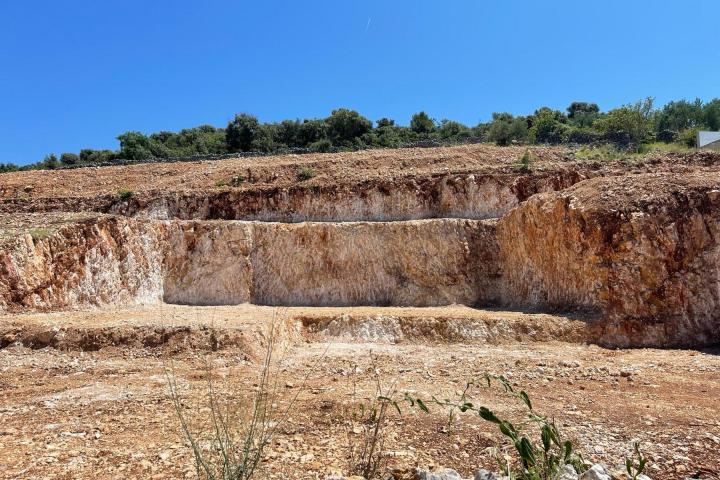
x=75, y=74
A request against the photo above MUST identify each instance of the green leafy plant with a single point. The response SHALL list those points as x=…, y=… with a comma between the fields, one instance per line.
x=525, y=161
x=535, y=460
x=367, y=432
x=230, y=434
x=125, y=194
x=305, y=173
x=635, y=465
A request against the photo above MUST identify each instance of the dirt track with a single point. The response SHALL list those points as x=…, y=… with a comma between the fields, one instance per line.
x=105, y=413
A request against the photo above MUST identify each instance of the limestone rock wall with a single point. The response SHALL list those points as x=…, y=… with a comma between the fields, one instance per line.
x=448, y=196
x=428, y=262
x=643, y=251
x=111, y=261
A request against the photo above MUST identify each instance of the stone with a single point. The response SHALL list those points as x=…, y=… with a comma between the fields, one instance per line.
x=483, y=474
x=567, y=472
x=596, y=472
x=439, y=474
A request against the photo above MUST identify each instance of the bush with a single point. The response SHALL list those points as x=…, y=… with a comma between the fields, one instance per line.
x=629, y=126
x=240, y=133
x=305, y=173
x=506, y=129
x=525, y=161
x=688, y=137
x=581, y=135
x=422, y=124
x=321, y=146
x=69, y=159
x=347, y=125
x=125, y=194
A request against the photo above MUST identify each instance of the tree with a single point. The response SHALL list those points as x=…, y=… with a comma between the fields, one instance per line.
x=347, y=125
x=679, y=116
x=311, y=131
x=711, y=114
x=628, y=126
x=452, y=130
x=583, y=114
x=422, y=124
x=69, y=159
x=505, y=129
x=547, y=126
x=50, y=162
x=134, y=146
x=385, y=122
x=240, y=132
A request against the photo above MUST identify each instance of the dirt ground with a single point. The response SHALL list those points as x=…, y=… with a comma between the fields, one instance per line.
x=332, y=169
x=85, y=394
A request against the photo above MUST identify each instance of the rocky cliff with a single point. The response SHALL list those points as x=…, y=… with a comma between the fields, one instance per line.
x=642, y=250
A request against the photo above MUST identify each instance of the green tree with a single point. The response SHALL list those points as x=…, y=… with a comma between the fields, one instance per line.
x=69, y=159
x=240, y=132
x=347, y=125
x=311, y=131
x=547, y=126
x=679, y=116
x=134, y=146
x=452, y=130
x=50, y=162
x=629, y=126
x=8, y=167
x=505, y=129
x=583, y=114
x=385, y=122
x=422, y=124
x=711, y=114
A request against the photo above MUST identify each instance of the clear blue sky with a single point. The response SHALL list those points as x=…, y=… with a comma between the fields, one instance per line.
x=75, y=74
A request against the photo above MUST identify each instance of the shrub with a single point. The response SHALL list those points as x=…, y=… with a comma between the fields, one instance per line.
x=305, y=173
x=347, y=125
x=125, y=194
x=525, y=161
x=688, y=137
x=240, y=132
x=69, y=159
x=321, y=146
x=506, y=129
x=422, y=124
x=228, y=433
x=541, y=459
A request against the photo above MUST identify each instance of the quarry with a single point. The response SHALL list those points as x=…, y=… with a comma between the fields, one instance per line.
x=593, y=285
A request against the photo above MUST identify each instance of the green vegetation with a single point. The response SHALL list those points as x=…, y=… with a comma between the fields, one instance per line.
x=305, y=173
x=525, y=161
x=125, y=194
x=627, y=128
x=532, y=460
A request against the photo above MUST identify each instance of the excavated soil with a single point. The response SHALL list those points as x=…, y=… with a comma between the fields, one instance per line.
x=85, y=394
x=415, y=269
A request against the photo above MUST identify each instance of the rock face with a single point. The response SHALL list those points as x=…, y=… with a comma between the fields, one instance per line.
x=642, y=250
x=448, y=196
x=111, y=261
x=430, y=262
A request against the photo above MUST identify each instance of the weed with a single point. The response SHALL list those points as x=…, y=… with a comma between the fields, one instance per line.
x=125, y=194
x=41, y=232
x=305, y=173
x=540, y=460
x=233, y=432
x=367, y=457
x=525, y=161
x=635, y=465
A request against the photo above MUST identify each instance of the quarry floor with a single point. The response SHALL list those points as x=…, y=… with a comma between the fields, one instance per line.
x=85, y=394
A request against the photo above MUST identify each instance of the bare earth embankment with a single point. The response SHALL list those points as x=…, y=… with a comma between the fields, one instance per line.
x=593, y=286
